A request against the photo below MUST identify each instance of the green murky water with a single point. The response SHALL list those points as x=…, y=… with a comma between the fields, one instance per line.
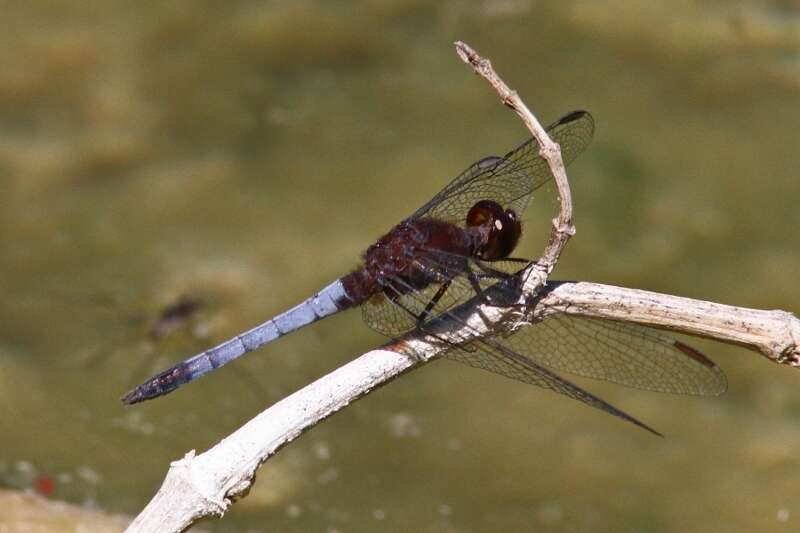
x=242, y=154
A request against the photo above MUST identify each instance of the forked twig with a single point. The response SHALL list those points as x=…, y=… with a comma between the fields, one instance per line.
x=563, y=227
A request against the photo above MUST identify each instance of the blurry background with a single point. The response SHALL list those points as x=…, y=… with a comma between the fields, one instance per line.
x=219, y=162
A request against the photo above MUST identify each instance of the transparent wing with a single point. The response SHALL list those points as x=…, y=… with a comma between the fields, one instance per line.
x=499, y=358
x=623, y=353
x=394, y=312
x=494, y=355
x=510, y=180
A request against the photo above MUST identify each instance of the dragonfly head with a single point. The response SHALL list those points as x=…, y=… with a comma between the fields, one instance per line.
x=502, y=229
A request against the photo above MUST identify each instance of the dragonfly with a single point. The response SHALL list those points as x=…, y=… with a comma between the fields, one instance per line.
x=455, y=248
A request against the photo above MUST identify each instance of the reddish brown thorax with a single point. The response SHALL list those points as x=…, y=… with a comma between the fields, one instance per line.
x=398, y=257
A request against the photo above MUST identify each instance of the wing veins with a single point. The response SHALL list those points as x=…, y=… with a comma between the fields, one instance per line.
x=507, y=362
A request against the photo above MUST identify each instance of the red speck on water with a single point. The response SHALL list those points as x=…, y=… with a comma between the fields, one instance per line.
x=45, y=485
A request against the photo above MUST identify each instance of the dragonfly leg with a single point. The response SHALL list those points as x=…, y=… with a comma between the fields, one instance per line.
x=420, y=318
x=432, y=303
x=474, y=280
x=510, y=279
x=492, y=274
x=488, y=273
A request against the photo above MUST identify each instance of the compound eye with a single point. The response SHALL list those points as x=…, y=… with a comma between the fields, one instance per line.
x=504, y=229
x=484, y=213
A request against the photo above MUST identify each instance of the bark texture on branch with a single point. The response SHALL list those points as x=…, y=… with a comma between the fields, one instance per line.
x=775, y=334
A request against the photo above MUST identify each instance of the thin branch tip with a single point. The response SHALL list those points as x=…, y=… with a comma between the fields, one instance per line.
x=465, y=52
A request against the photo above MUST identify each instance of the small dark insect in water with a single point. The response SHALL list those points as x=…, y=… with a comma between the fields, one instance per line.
x=175, y=316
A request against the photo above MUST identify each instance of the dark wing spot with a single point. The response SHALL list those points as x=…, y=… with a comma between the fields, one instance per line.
x=694, y=354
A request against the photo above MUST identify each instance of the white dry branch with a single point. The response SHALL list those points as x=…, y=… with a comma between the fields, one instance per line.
x=205, y=485
x=775, y=333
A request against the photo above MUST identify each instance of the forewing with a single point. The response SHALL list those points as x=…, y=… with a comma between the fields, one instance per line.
x=495, y=356
x=510, y=180
x=623, y=353
x=396, y=315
